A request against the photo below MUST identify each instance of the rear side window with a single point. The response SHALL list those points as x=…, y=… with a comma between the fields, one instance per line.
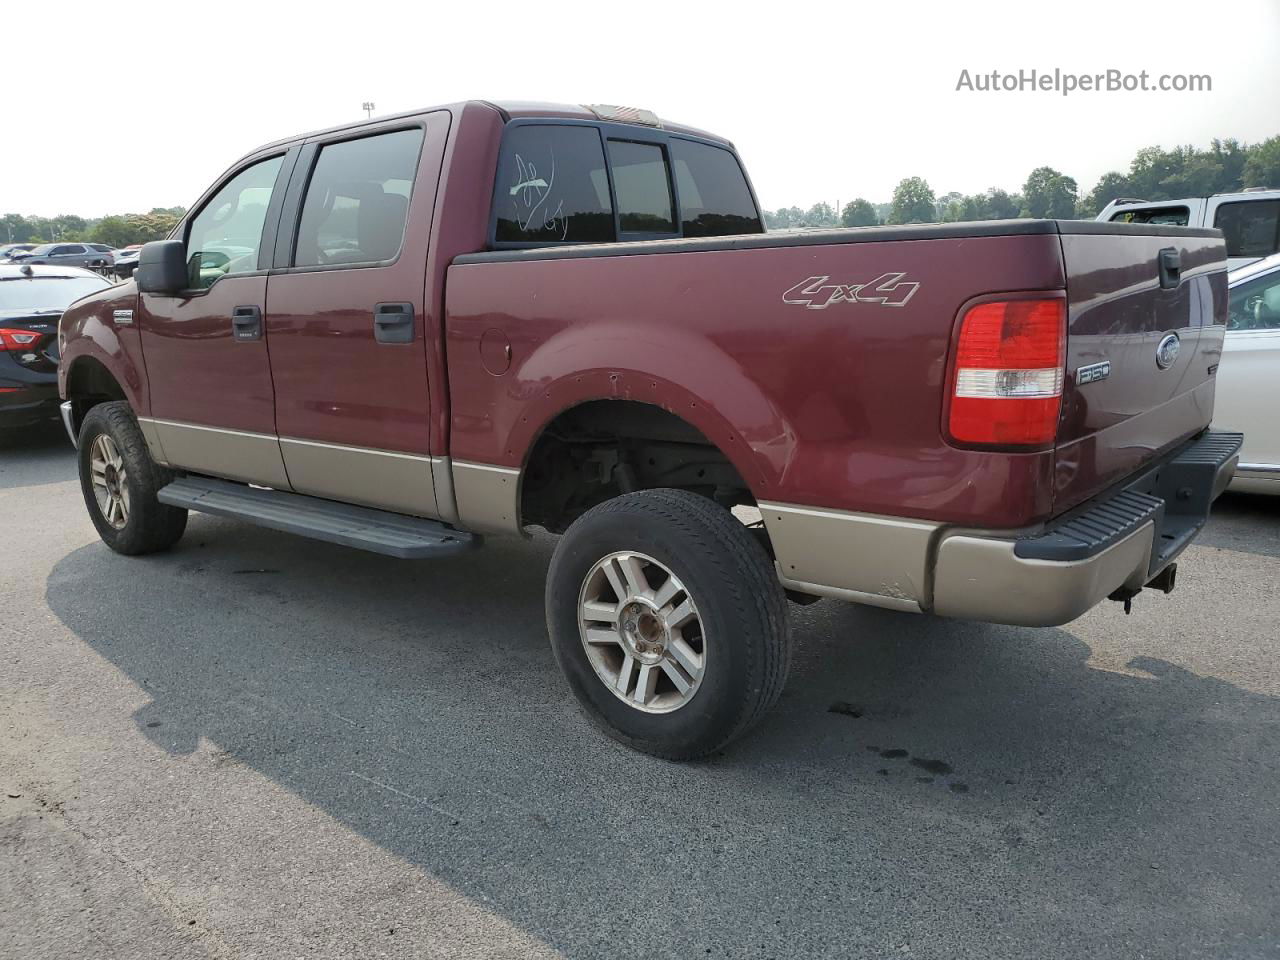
x=357, y=200
x=1252, y=227
x=552, y=186
x=714, y=198
x=643, y=187
x=1161, y=216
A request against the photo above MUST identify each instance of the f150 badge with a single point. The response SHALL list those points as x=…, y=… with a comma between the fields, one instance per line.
x=888, y=290
x=1093, y=372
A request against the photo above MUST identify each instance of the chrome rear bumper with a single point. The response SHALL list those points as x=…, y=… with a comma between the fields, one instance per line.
x=1119, y=541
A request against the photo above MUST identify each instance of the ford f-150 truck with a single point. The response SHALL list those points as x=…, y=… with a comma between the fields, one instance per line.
x=410, y=333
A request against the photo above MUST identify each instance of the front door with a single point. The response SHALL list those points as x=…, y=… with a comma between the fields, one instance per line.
x=212, y=404
x=347, y=317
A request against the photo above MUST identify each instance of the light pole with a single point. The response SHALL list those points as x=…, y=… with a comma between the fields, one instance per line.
x=367, y=107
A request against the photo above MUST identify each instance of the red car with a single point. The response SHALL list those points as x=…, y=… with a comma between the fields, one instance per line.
x=410, y=333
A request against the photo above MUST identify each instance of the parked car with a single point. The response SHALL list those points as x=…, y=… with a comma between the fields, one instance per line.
x=11, y=249
x=126, y=261
x=585, y=328
x=32, y=299
x=1249, y=380
x=1249, y=220
x=67, y=255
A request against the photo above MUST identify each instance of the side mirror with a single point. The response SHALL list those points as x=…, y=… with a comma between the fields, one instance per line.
x=162, y=267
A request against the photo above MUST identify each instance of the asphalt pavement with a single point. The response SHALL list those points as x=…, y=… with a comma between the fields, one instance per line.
x=259, y=746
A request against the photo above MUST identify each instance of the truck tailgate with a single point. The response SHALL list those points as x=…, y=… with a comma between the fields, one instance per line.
x=1147, y=311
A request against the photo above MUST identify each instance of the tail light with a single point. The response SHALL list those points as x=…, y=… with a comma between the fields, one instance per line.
x=1006, y=390
x=18, y=340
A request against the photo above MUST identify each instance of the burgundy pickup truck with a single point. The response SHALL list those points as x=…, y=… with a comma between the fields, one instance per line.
x=409, y=333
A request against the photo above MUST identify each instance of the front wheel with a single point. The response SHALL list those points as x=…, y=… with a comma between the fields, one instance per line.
x=669, y=622
x=119, y=481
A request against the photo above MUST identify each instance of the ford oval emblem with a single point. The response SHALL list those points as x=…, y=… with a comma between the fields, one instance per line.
x=1167, y=352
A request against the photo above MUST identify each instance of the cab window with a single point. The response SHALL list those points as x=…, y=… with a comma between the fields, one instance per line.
x=642, y=184
x=1251, y=227
x=225, y=235
x=357, y=201
x=714, y=198
x=552, y=186
x=1175, y=216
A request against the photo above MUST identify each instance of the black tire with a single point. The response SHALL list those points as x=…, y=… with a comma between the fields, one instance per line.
x=150, y=525
x=740, y=603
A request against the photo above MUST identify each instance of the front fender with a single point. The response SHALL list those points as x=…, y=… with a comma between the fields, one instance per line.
x=90, y=331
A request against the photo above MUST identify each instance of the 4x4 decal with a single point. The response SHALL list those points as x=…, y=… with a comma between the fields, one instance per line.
x=888, y=289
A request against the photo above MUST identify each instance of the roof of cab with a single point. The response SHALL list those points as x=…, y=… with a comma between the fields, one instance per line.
x=509, y=109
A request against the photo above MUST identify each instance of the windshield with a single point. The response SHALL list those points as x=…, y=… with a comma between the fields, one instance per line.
x=46, y=293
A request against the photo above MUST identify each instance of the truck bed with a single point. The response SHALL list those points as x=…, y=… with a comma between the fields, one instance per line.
x=835, y=401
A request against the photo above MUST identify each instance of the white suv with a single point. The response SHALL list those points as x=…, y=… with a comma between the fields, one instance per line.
x=1250, y=220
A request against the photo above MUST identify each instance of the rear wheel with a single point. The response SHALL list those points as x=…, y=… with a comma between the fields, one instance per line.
x=668, y=620
x=119, y=481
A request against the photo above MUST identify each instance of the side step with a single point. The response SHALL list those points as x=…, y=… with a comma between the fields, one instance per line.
x=392, y=534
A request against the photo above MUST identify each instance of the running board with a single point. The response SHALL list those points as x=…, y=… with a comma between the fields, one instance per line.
x=392, y=534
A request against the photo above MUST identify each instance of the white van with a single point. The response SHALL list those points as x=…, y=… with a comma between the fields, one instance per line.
x=1249, y=220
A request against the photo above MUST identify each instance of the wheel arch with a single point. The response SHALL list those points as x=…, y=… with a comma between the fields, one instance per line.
x=500, y=420
x=603, y=446
x=89, y=382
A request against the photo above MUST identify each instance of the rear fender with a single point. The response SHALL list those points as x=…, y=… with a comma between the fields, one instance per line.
x=640, y=363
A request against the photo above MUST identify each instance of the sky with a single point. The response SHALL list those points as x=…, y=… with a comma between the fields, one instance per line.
x=143, y=106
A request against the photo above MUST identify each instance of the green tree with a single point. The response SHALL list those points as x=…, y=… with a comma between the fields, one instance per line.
x=999, y=205
x=68, y=226
x=1048, y=193
x=1230, y=156
x=858, y=213
x=14, y=228
x=152, y=226
x=820, y=215
x=943, y=204
x=913, y=202
x=114, y=231
x=1109, y=187
x=1262, y=167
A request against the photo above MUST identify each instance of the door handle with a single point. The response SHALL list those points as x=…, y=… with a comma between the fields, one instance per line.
x=1170, y=268
x=393, y=322
x=246, y=323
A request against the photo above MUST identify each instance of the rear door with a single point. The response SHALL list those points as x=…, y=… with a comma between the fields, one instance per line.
x=347, y=316
x=1146, y=317
x=69, y=255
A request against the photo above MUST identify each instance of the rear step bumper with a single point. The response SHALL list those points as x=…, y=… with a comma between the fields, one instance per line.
x=1116, y=543
x=392, y=534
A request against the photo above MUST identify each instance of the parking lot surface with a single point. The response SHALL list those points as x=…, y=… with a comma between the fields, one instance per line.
x=262, y=746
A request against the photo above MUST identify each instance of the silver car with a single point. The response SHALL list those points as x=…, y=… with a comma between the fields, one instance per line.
x=69, y=255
